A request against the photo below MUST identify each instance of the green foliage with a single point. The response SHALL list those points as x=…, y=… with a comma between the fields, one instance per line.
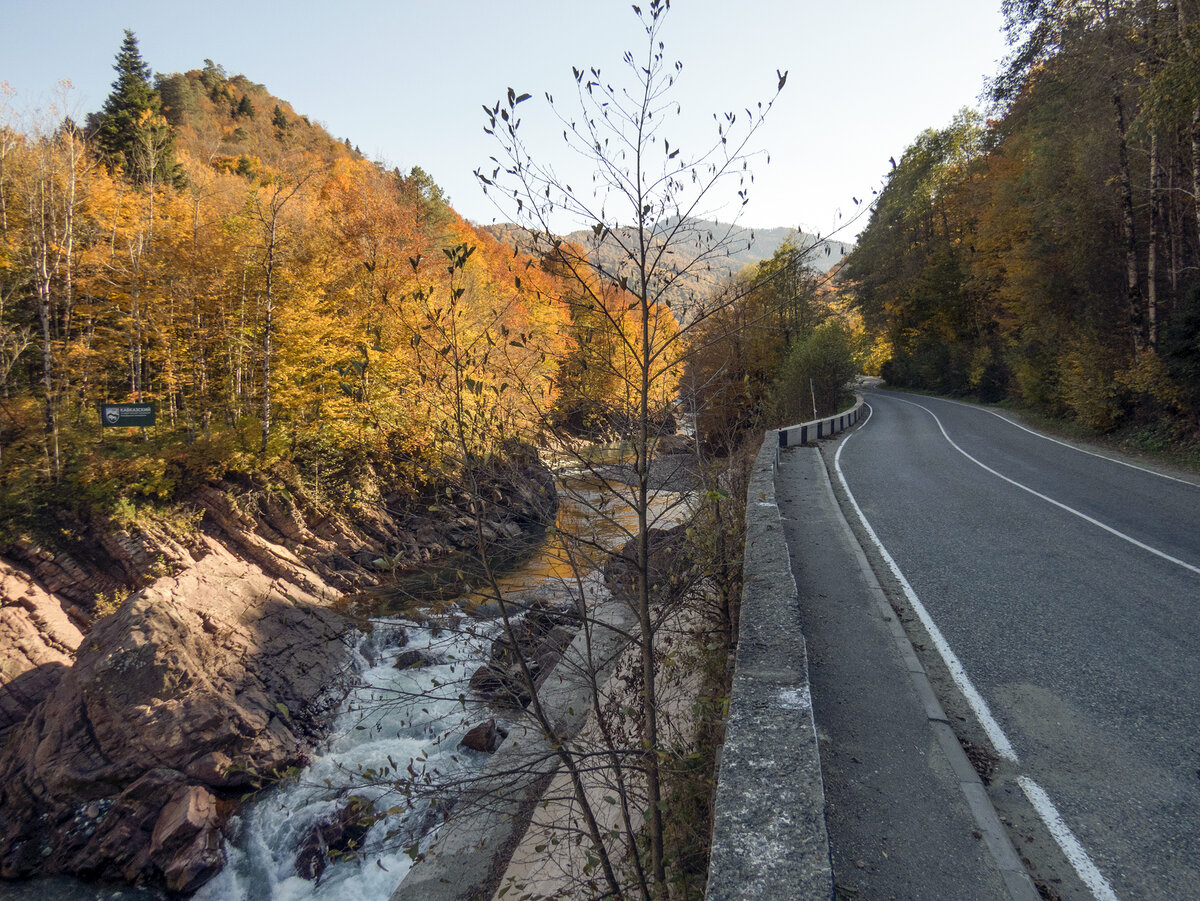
x=766, y=312
x=818, y=370
x=180, y=98
x=131, y=131
x=1089, y=386
x=1180, y=345
x=107, y=603
x=1042, y=258
x=910, y=271
x=213, y=77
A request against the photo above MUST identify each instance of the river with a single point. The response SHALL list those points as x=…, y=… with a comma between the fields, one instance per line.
x=398, y=719
x=394, y=722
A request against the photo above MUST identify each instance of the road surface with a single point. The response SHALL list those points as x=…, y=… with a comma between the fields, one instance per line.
x=1060, y=592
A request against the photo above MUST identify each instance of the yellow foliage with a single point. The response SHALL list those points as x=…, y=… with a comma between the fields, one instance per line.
x=1146, y=379
x=1089, y=389
x=374, y=343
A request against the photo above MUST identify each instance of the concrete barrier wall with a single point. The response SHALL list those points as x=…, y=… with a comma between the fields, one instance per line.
x=769, y=839
x=821, y=428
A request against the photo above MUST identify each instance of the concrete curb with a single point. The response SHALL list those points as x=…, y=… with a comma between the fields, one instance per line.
x=769, y=838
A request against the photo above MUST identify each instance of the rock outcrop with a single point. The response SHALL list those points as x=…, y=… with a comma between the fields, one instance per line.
x=38, y=640
x=127, y=740
x=177, y=704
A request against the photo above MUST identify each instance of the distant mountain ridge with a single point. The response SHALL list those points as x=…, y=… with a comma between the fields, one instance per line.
x=743, y=247
x=747, y=246
x=754, y=244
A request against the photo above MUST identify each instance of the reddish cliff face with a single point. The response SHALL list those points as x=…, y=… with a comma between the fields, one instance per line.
x=176, y=705
x=38, y=639
x=126, y=741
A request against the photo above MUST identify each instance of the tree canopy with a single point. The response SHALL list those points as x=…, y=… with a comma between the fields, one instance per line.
x=131, y=132
x=1049, y=254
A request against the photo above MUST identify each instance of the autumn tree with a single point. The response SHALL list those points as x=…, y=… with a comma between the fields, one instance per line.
x=130, y=130
x=736, y=352
x=649, y=193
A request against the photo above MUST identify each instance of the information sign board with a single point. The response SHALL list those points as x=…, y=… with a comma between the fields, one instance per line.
x=114, y=415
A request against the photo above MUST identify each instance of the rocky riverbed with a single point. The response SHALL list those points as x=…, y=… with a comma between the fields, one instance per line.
x=129, y=739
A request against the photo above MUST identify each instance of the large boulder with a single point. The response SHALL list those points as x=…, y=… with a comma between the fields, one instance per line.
x=666, y=567
x=196, y=689
x=485, y=738
x=337, y=835
x=38, y=640
x=413, y=658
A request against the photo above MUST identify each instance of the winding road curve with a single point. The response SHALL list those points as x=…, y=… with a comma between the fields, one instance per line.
x=1062, y=590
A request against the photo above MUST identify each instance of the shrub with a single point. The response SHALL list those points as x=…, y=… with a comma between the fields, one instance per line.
x=818, y=369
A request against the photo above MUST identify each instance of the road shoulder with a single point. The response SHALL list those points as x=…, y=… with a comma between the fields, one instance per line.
x=907, y=813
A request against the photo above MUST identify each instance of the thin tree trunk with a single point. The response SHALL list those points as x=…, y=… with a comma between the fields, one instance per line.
x=268, y=313
x=1133, y=293
x=135, y=340
x=239, y=354
x=45, y=314
x=650, y=706
x=1154, y=62
x=1152, y=249
x=68, y=253
x=42, y=238
x=1196, y=171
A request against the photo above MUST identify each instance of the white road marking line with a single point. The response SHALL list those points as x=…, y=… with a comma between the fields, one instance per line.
x=1079, y=858
x=1107, y=528
x=1090, y=453
x=1074, y=851
x=982, y=712
x=1067, y=444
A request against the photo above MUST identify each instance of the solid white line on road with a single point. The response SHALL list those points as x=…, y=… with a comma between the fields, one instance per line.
x=1069, y=445
x=1107, y=528
x=984, y=714
x=1079, y=858
x=1075, y=853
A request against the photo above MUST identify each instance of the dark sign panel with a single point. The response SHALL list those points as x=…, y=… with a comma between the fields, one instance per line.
x=126, y=415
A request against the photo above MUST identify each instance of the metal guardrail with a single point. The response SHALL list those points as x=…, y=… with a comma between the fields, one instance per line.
x=795, y=435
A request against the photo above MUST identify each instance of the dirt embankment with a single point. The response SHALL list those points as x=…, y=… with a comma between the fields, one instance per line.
x=126, y=740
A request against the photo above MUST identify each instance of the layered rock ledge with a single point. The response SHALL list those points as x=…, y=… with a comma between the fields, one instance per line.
x=176, y=705
x=127, y=740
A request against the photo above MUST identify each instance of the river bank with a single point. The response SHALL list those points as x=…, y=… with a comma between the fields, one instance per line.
x=129, y=739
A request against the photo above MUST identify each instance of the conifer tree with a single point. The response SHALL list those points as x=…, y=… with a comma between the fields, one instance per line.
x=132, y=133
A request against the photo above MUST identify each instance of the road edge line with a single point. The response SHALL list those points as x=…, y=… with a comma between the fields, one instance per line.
x=958, y=673
x=1075, y=853
x=1013, y=873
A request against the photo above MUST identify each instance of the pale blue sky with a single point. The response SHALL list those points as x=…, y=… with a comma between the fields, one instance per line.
x=405, y=81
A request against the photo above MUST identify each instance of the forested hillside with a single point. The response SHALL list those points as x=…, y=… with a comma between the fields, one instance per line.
x=198, y=245
x=1049, y=254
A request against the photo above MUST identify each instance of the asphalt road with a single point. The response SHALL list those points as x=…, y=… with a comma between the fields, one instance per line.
x=1067, y=586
